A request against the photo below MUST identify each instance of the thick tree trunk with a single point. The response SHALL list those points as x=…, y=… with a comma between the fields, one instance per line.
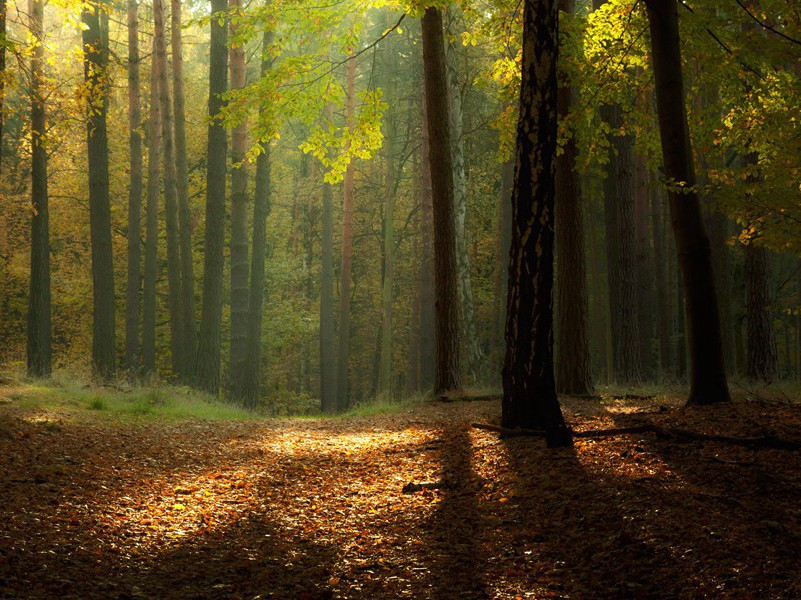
x=239, y=221
x=347, y=251
x=151, y=225
x=573, y=374
x=763, y=363
x=207, y=366
x=96, y=58
x=189, y=335
x=707, y=373
x=447, y=374
x=529, y=386
x=132, y=293
x=39, y=334
x=179, y=358
x=261, y=210
x=427, y=342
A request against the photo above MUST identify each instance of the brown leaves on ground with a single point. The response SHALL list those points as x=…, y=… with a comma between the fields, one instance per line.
x=316, y=509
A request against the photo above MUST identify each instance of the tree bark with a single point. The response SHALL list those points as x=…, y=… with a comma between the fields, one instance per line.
x=447, y=375
x=189, y=334
x=529, y=386
x=763, y=363
x=261, y=210
x=663, y=321
x=151, y=225
x=39, y=330
x=239, y=220
x=207, y=366
x=501, y=275
x=347, y=251
x=134, y=287
x=573, y=375
x=644, y=272
x=426, y=337
x=96, y=58
x=328, y=384
x=707, y=374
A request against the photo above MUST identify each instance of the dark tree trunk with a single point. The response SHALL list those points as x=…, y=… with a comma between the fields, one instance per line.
x=207, y=366
x=343, y=353
x=707, y=374
x=663, y=321
x=151, y=226
x=132, y=293
x=189, y=333
x=261, y=209
x=39, y=335
x=447, y=375
x=529, y=387
x=645, y=277
x=718, y=226
x=763, y=363
x=502, y=265
x=239, y=218
x=426, y=337
x=96, y=57
x=179, y=358
x=573, y=374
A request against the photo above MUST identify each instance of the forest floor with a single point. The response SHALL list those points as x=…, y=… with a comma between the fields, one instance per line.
x=314, y=509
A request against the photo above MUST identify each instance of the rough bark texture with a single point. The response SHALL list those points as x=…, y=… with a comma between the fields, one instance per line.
x=96, y=58
x=132, y=293
x=261, y=210
x=189, y=334
x=170, y=196
x=39, y=335
x=151, y=226
x=707, y=374
x=573, y=374
x=529, y=386
x=347, y=252
x=763, y=362
x=427, y=341
x=447, y=375
x=207, y=366
x=239, y=220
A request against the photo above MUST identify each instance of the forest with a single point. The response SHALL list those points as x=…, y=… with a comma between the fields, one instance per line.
x=400, y=298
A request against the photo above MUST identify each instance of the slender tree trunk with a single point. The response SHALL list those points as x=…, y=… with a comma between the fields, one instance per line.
x=529, y=386
x=328, y=370
x=189, y=334
x=96, y=56
x=385, y=352
x=573, y=375
x=644, y=272
x=207, y=367
x=39, y=335
x=413, y=369
x=132, y=293
x=469, y=333
x=239, y=220
x=447, y=374
x=170, y=197
x=347, y=251
x=763, y=363
x=707, y=373
x=501, y=275
x=261, y=210
x=663, y=325
x=427, y=341
x=151, y=225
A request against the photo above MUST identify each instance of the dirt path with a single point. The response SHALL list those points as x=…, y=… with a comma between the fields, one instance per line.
x=315, y=509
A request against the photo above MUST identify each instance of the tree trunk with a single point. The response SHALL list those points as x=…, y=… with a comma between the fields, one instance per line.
x=39, y=334
x=96, y=56
x=501, y=275
x=469, y=333
x=385, y=352
x=347, y=251
x=573, y=374
x=261, y=210
x=644, y=272
x=132, y=302
x=151, y=225
x=663, y=322
x=207, y=366
x=239, y=220
x=427, y=341
x=327, y=359
x=189, y=334
x=763, y=364
x=170, y=197
x=447, y=374
x=2, y=74
x=707, y=374
x=413, y=369
x=529, y=387
x=718, y=226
